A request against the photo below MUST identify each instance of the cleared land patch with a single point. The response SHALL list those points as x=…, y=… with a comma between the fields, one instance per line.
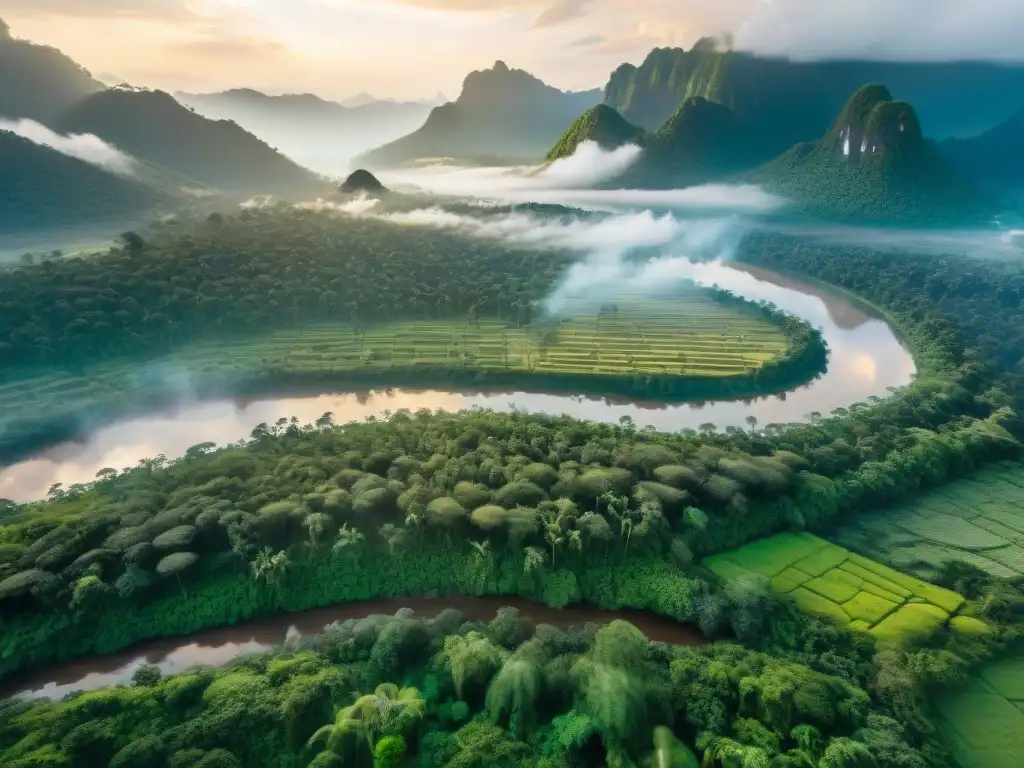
x=979, y=519
x=982, y=725
x=828, y=581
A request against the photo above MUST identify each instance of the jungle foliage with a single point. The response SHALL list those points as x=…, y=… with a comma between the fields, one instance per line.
x=447, y=693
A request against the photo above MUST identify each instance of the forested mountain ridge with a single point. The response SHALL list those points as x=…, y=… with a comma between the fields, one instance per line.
x=600, y=124
x=500, y=112
x=314, y=131
x=874, y=164
x=42, y=188
x=39, y=82
x=700, y=141
x=994, y=158
x=794, y=101
x=153, y=127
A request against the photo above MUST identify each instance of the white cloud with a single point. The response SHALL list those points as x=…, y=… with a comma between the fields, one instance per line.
x=83, y=146
x=886, y=29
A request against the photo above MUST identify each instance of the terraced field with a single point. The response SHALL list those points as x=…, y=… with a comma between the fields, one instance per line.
x=982, y=724
x=693, y=336
x=979, y=519
x=828, y=581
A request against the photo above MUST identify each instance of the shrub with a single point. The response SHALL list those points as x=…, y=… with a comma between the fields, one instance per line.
x=176, y=539
x=176, y=563
x=445, y=512
x=595, y=482
x=471, y=495
x=520, y=493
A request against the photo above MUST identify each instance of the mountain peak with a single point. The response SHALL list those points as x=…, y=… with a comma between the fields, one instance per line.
x=600, y=124
x=362, y=181
x=500, y=66
x=359, y=100
x=871, y=123
x=873, y=165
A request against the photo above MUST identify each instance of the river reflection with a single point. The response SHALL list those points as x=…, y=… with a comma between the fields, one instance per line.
x=217, y=647
x=866, y=359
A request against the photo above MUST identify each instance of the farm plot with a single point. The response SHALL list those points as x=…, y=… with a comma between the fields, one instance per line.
x=979, y=520
x=692, y=336
x=982, y=725
x=828, y=581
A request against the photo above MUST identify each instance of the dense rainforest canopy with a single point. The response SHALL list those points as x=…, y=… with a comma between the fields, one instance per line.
x=259, y=269
x=553, y=509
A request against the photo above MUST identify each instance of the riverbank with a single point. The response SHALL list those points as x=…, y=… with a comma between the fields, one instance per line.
x=767, y=352
x=219, y=646
x=225, y=599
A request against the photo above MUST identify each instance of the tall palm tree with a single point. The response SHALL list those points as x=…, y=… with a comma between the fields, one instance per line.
x=348, y=541
x=533, y=559
x=482, y=555
x=389, y=710
x=270, y=567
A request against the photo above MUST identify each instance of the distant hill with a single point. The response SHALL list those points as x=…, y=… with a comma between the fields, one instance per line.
x=366, y=99
x=39, y=82
x=873, y=165
x=994, y=158
x=361, y=181
x=600, y=124
x=323, y=135
x=41, y=188
x=790, y=101
x=500, y=112
x=152, y=126
x=359, y=100
x=699, y=142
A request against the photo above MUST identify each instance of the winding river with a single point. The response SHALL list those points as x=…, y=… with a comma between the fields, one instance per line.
x=216, y=647
x=867, y=359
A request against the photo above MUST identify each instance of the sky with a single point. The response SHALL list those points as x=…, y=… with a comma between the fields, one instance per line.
x=410, y=49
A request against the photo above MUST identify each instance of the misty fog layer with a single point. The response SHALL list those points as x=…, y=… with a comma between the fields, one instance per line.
x=908, y=30
x=86, y=147
x=572, y=180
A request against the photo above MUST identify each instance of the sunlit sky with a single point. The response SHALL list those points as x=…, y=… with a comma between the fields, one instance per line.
x=415, y=48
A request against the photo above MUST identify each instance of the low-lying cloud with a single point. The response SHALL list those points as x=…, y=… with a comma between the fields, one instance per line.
x=914, y=30
x=611, y=246
x=82, y=146
x=571, y=181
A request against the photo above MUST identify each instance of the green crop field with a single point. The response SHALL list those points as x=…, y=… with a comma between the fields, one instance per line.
x=979, y=519
x=826, y=580
x=693, y=336
x=982, y=724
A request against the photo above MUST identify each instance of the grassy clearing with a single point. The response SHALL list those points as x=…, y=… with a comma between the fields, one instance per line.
x=826, y=580
x=982, y=724
x=979, y=519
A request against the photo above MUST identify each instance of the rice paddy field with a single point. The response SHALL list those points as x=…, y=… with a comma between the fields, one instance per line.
x=693, y=336
x=982, y=724
x=979, y=519
x=829, y=581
